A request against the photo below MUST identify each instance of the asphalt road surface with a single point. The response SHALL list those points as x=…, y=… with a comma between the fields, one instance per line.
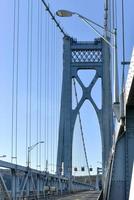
x=90, y=195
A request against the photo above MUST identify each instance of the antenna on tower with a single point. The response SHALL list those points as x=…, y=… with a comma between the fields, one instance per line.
x=107, y=18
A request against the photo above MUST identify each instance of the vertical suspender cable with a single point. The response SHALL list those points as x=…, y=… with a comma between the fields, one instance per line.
x=50, y=66
x=27, y=84
x=51, y=95
x=45, y=64
x=52, y=92
x=115, y=55
x=46, y=96
x=13, y=69
x=47, y=110
x=57, y=86
x=123, y=59
x=123, y=45
x=55, y=90
x=46, y=90
x=57, y=80
x=17, y=70
x=30, y=77
x=37, y=84
x=40, y=110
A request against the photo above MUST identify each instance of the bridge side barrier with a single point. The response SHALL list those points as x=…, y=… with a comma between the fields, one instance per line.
x=100, y=196
x=108, y=176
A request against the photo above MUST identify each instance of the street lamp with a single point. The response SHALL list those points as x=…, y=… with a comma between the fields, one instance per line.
x=66, y=13
x=31, y=148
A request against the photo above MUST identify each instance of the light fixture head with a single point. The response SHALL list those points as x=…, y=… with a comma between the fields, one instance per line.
x=64, y=13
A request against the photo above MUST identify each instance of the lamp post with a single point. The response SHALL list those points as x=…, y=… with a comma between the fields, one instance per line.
x=66, y=13
x=30, y=149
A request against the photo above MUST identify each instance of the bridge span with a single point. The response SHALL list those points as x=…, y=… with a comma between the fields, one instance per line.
x=43, y=93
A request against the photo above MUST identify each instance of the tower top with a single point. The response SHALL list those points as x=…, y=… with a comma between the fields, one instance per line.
x=107, y=17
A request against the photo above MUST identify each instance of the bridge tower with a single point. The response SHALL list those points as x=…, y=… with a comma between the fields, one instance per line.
x=86, y=56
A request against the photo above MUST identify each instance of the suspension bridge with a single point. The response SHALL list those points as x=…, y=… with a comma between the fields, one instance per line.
x=43, y=84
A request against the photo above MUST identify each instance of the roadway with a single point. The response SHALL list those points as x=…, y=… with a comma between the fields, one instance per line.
x=90, y=195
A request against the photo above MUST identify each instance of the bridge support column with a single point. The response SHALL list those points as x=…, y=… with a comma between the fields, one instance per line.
x=14, y=185
x=64, y=159
x=121, y=172
x=106, y=123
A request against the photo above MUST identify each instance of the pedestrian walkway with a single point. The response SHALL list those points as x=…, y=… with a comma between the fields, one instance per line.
x=90, y=195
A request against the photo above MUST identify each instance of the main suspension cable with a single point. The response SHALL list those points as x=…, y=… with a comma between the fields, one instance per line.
x=53, y=17
x=81, y=129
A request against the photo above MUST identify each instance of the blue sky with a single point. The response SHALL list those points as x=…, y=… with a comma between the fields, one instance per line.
x=74, y=27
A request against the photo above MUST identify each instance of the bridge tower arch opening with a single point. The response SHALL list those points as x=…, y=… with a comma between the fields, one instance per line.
x=92, y=141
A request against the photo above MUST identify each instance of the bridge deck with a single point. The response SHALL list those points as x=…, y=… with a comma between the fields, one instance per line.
x=90, y=195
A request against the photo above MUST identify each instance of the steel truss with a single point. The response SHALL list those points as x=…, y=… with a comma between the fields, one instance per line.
x=19, y=182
